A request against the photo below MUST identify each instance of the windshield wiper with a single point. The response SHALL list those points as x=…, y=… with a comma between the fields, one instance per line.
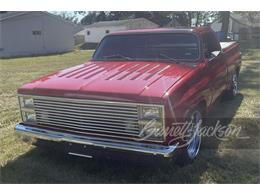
x=118, y=56
x=169, y=58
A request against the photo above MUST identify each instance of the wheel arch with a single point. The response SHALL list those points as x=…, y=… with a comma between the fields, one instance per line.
x=202, y=104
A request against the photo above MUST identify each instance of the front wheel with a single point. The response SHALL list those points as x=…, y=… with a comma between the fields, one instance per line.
x=191, y=147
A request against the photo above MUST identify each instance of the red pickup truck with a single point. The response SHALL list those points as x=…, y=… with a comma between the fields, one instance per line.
x=138, y=85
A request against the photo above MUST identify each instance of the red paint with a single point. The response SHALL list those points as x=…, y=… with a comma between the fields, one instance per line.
x=179, y=87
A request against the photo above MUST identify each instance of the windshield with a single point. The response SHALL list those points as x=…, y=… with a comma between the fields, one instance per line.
x=163, y=46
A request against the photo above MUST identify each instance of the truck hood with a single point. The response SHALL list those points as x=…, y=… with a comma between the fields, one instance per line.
x=151, y=79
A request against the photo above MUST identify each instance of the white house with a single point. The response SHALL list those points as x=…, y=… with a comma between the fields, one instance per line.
x=95, y=32
x=34, y=33
x=240, y=27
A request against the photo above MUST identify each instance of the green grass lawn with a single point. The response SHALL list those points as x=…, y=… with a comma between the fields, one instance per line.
x=232, y=161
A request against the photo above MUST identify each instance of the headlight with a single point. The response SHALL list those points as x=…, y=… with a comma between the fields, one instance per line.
x=151, y=122
x=27, y=109
x=26, y=102
x=29, y=117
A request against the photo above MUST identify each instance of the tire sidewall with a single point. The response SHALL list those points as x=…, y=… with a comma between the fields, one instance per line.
x=183, y=156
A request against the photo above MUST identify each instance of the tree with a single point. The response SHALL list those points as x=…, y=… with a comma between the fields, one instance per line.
x=160, y=18
x=205, y=18
x=224, y=18
x=101, y=16
x=69, y=16
x=89, y=18
x=251, y=16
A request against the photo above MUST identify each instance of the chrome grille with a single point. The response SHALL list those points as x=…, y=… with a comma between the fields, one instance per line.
x=88, y=116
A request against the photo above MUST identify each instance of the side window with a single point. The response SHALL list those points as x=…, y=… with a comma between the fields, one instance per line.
x=88, y=32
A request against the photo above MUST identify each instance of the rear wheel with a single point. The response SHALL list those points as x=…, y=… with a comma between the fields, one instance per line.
x=191, y=147
x=234, y=89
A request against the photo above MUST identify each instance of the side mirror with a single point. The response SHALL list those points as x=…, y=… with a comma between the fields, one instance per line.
x=213, y=55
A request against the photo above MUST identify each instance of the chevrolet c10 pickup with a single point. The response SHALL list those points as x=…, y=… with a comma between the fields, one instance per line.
x=138, y=86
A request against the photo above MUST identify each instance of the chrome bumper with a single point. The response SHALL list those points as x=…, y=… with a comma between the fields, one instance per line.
x=145, y=148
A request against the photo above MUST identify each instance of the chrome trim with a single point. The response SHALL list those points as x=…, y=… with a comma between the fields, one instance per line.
x=41, y=117
x=146, y=148
x=80, y=111
x=97, y=129
x=80, y=155
x=59, y=108
x=89, y=101
x=27, y=109
x=82, y=114
x=89, y=123
x=118, y=112
x=60, y=103
x=90, y=117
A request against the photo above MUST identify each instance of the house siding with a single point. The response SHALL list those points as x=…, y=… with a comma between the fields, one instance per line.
x=58, y=36
x=141, y=24
x=97, y=33
x=34, y=33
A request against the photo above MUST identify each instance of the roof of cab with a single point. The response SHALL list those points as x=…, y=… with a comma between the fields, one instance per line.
x=162, y=30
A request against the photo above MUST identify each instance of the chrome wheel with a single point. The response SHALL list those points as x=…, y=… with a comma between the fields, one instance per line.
x=195, y=137
x=235, y=84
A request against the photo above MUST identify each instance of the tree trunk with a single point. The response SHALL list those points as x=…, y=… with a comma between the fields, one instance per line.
x=189, y=19
x=197, y=18
x=224, y=15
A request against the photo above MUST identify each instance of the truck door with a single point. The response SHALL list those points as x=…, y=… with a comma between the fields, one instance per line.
x=216, y=67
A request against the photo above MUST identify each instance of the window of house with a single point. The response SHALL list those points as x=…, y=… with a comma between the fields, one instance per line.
x=88, y=32
x=107, y=31
x=36, y=32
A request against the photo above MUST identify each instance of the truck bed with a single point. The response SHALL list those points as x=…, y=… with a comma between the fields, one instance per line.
x=225, y=45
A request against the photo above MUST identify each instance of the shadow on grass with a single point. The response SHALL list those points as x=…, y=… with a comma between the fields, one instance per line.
x=249, y=76
x=41, y=167
x=38, y=166
x=223, y=111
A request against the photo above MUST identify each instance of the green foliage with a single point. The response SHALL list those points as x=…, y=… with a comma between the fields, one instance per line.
x=250, y=15
x=160, y=18
x=69, y=16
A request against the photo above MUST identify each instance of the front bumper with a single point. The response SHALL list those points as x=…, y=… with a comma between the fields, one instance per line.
x=40, y=133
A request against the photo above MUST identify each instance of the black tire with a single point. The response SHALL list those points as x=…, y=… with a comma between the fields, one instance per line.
x=234, y=90
x=189, y=151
